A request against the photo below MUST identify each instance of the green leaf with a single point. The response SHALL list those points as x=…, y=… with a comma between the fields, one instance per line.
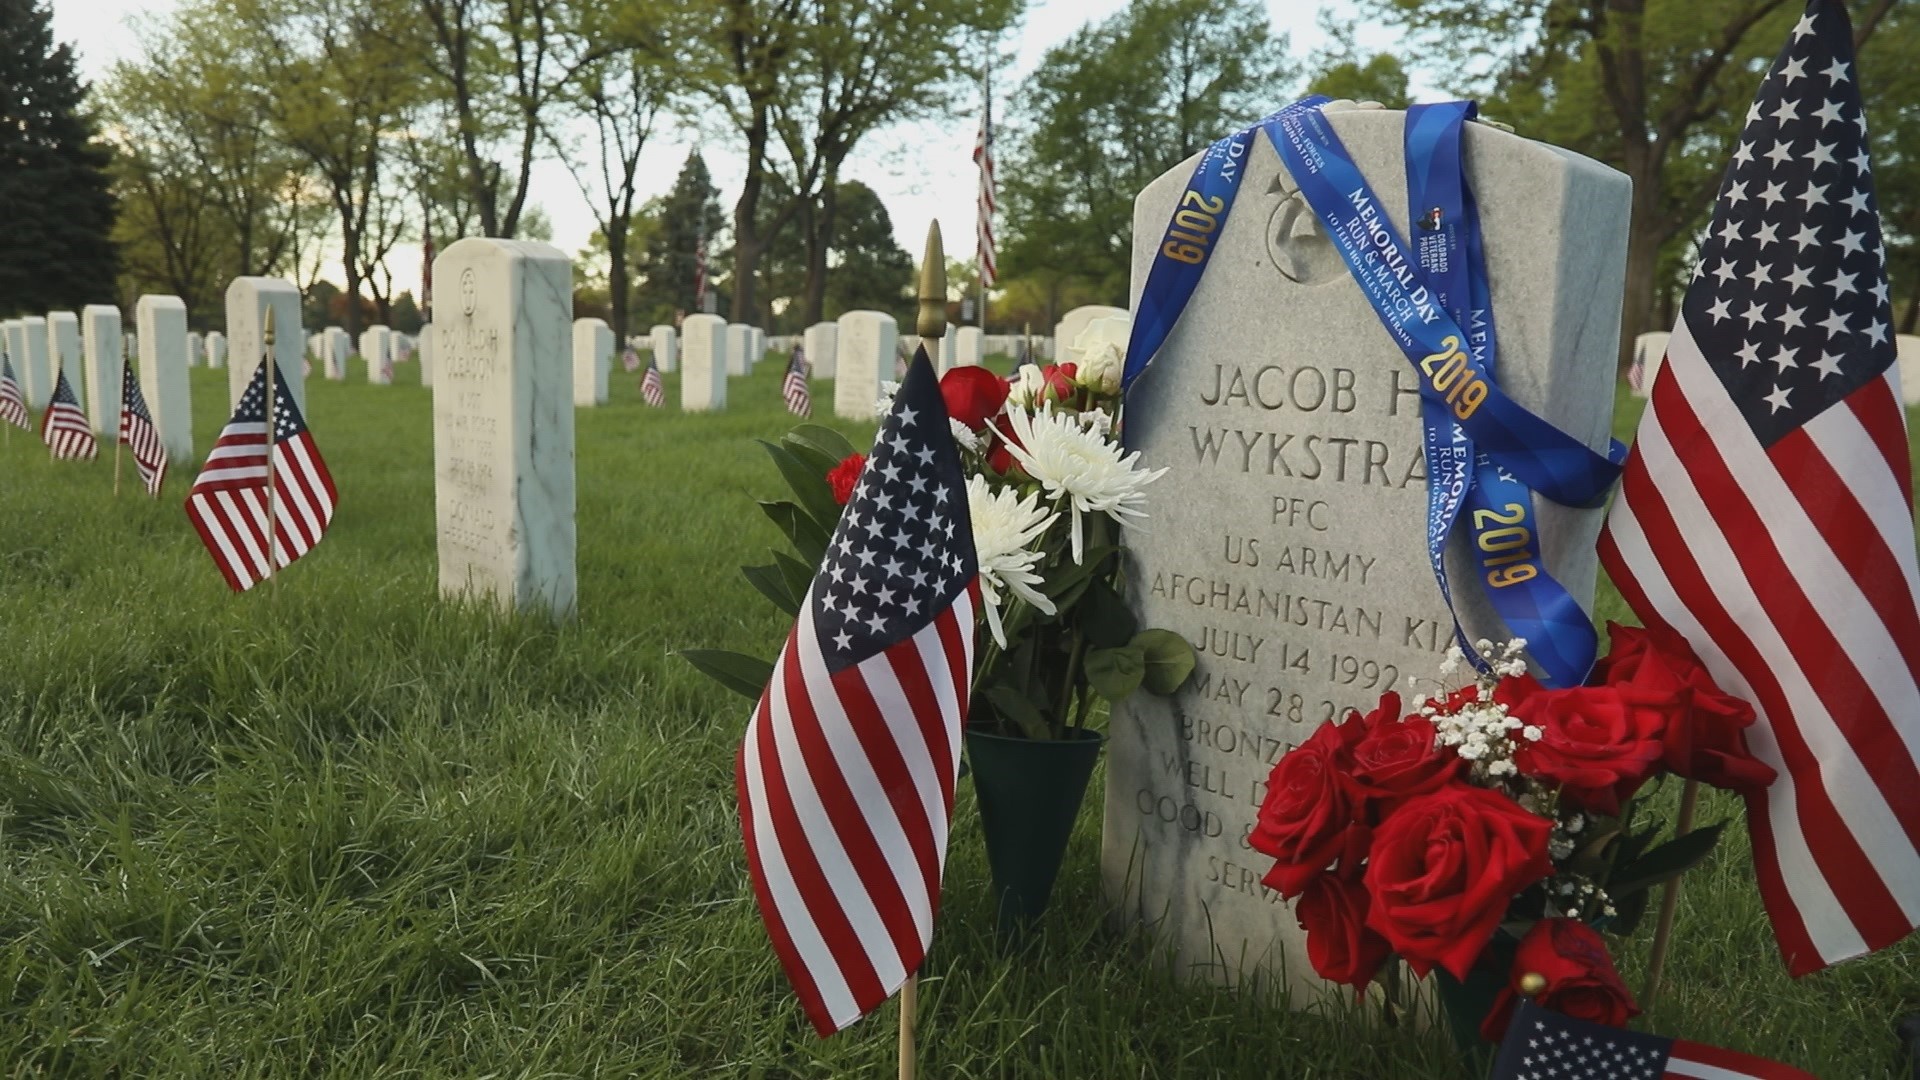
x=772, y=585
x=1103, y=617
x=798, y=574
x=1169, y=660
x=1115, y=673
x=744, y=675
x=1666, y=862
x=1066, y=581
x=810, y=487
x=808, y=538
x=824, y=440
x=1014, y=705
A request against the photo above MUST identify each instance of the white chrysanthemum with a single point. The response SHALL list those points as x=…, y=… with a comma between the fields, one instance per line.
x=963, y=436
x=1004, y=527
x=1079, y=464
x=883, y=405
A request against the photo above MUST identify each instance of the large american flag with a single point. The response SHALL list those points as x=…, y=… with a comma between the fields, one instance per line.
x=1545, y=1045
x=228, y=503
x=1766, y=511
x=983, y=156
x=653, y=389
x=64, y=428
x=846, y=773
x=794, y=389
x=137, y=433
x=13, y=407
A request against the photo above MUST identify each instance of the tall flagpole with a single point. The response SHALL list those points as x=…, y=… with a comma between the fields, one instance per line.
x=986, y=153
x=273, y=529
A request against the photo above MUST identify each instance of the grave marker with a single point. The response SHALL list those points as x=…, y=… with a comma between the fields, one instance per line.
x=739, y=349
x=217, y=350
x=1909, y=359
x=1650, y=355
x=426, y=355
x=337, y=348
x=704, y=363
x=34, y=365
x=196, y=349
x=100, y=346
x=63, y=339
x=968, y=348
x=163, y=373
x=666, y=348
x=821, y=343
x=248, y=299
x=866, y=348
x=592, y=361
x=376, y=348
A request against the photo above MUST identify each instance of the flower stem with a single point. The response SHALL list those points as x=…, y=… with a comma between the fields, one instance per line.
x=1072, y=677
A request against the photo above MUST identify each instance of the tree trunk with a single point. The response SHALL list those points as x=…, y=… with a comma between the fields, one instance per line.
x=350, y=244
x=819, y=224
x=1645, y=233
x=618, y=289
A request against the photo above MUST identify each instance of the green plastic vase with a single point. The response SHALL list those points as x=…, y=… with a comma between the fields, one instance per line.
x=1030, y=791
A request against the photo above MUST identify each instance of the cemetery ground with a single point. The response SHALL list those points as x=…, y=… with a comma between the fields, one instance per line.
x=336, y=827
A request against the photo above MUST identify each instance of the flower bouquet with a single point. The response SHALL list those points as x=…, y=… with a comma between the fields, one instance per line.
x=1487, y=833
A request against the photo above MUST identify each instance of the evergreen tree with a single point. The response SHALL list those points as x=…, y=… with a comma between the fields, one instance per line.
x=871, y=271
x=665, y=264
x=56, y=250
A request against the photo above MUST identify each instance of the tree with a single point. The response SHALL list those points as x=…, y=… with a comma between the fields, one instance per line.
x=872, y=271
x=1340, y=70
x=1657, y=88
x=665, y=259
x=1110, y=109
x=57, y=247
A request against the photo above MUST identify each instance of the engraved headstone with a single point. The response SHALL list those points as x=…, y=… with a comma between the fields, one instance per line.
x=162, y=348
x=704, y=363
x=666, y=348
x=1068, y=331
x=592, y=361
x=1649, y=355
x=34, y=364
x=866, y=350
x=503, y=424
x=376, y=348
x=100, y=346
x=338, y=347
x=63, y=338
x=1287, y=543
x=739, y=349
x=248, y=299
x=821, y=342
x=426, y=355
x=967, y=347
x=217, y=347
x=1909, y=358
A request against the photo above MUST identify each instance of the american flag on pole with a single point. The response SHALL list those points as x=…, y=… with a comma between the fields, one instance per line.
x=229, y=501
x=1545, y=1045
x=1766, y=514
x=426, y=273
x=794, y=389
x=983, y=157
x=13, y=407
x=64, y=428
x=137, y=433
x=700, y=270
x=847, y=770
x=652, y=387
x=630, y=358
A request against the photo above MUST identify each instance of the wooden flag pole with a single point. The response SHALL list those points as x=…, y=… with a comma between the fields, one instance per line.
x=909, y=1002
x=1669, y=901
x=272, y=398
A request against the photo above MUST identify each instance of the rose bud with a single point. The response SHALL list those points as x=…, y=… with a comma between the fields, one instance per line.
x=1577, y=974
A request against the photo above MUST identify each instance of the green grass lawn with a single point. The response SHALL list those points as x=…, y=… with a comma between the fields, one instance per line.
x=340, y=828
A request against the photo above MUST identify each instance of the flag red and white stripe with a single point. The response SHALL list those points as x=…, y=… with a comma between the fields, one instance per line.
x=985, y=252
x=653, y=388
x=229, y=500
x=137, y=432
x=13, y=406
x=1766, y=512
x=64, y=428
x=847, y=769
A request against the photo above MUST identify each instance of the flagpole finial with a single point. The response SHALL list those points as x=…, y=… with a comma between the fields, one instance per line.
x=1533, y=983
x=267, y=335
x=933, y=287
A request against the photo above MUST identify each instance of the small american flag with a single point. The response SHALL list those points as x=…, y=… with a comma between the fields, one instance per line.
x=652, y=387
x=799, y=398
x=228, y=503
x=846, y=773
x=137, y=433
x=1766, y=513
x=13, y=407
x=64, y=428
x=1545, y=1045
x=630, y=359
x=1637, y=372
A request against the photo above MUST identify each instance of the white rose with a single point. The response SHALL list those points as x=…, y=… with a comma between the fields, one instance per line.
x=1103, y=353
x=1029, y=387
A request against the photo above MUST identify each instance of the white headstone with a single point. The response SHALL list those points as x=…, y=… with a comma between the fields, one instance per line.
x=101, y=345
x=16, y=345
x=820, y=342
x=503, y=424
x=196, y=349
x=217, y=347
x=967, y=347
x=426, y=355
x=63, y=338
x=949, y=352
x=666, y=348
x=1650, y=354
x=376, y=348
x=1909, y=354
x=592, y=360
x=757, y=348
x=739, y=349
x=338, y=346
x=1287, y=543
x=36, y=365
x=865, y=347
x=1075, y=321
x=248, y=299
x=705, y=341
x=163, y=373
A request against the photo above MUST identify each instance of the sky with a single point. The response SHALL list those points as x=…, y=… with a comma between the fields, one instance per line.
x=920, y=171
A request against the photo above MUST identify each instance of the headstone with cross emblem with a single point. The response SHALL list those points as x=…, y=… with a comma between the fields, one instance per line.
x=1288, y=542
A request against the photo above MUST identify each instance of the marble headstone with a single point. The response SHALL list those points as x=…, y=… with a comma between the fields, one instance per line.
x=821, y=342
x=739, y=349
x=338, y=346
x=503, y=424
x=866, y=346
x=756, y=348
x=35, y=365
x=592, y=361
x=967, y=347
x=376, y=348
x=1909, y=356
x=248, y=299
x=217, y=346
x=163, y=373
x=666, y=348
x=63, y=338
x=704, y=363
x=1286, y=544
x=15, y=335
x=1075, y=321
x=100, y=346
x=196, y=349
x=948, y=352
x=1650, y=354
x=426, y=355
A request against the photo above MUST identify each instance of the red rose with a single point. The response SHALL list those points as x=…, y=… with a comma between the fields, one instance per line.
x=1444, y=867
x=1705, y=738
x=974, y=395
x=1306, y=816
x=1333, y=912
x=1597, y=745
x=999, y=458
x=1581, y=980
x=1394, y=759
x=844, y=476
x=1060, y=380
